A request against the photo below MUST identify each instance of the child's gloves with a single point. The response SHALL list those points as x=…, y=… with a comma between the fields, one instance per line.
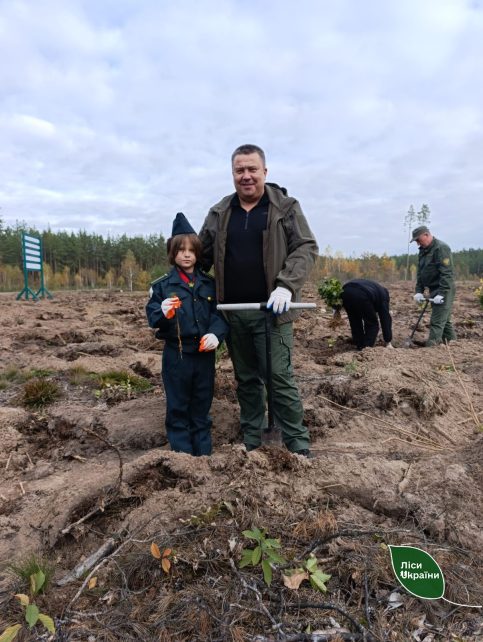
x=208, y=342
x=169, y=306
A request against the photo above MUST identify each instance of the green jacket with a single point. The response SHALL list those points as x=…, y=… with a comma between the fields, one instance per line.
x=435, y=269
x=289, y=247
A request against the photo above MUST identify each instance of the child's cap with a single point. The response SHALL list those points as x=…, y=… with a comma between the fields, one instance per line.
x=181, y=225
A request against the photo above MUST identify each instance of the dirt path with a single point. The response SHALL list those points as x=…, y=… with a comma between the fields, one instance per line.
x=398, y=462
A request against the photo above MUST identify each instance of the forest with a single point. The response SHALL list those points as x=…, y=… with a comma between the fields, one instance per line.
x=86, y=260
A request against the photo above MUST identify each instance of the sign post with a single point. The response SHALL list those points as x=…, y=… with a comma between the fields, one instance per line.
x=32, y=262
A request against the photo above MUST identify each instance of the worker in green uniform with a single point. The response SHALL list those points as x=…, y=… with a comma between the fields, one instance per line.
x=435, y=273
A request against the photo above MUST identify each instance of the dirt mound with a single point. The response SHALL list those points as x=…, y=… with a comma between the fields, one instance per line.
x=89, y=483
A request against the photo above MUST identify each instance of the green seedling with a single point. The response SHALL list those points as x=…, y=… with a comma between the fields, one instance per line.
x=166, y=557
x=309, y=571
x=32, y=614
x=120, y=385
x=264, y=553
x=330, y=290
x=351, y=367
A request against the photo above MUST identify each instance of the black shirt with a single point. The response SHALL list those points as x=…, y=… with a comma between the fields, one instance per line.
x=244, y=272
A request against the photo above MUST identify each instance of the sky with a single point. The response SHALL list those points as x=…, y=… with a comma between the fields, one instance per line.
x=117, y=114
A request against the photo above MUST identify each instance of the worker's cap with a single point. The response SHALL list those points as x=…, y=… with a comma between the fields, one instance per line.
x=181, y=225
x=422, y=229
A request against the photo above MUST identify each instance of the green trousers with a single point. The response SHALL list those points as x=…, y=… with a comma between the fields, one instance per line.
x=441, y=328
x=246, y=344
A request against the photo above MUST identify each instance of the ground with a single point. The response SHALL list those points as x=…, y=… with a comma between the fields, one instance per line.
x=88, y=483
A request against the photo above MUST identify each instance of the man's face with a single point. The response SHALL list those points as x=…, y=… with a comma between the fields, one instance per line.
x=249, y=175
x=424, y=240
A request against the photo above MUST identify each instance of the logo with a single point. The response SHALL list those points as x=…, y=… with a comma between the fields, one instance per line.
x=445, y=261
x=420, y=574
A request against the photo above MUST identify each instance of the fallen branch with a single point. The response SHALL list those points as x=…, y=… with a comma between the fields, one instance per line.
x=363, y=633
x=87, y=564
x=112, y=555
x=263, y=609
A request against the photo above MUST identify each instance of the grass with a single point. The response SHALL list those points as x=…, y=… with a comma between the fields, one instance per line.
x=27, y=566
x=79, y=376
x=38, y=393
x=13, y=375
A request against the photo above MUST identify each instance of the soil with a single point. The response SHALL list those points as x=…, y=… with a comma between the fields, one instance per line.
x=398, y=445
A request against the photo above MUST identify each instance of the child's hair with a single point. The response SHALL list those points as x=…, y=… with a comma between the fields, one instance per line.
x=178, y=242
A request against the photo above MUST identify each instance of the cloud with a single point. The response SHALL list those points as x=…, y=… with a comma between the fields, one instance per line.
x=116, y=115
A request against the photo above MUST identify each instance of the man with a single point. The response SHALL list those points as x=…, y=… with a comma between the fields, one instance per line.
x=365, y=301
x=435, y=272
x=263, y=250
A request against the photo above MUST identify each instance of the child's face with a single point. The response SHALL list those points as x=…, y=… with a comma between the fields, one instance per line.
x=186, y=258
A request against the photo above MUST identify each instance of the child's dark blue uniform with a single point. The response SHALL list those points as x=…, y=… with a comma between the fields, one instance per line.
x=188, y=375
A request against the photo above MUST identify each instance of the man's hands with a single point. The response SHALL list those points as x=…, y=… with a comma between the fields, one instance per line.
x=438, y=299
x=169, y=306
x=280, y=300
x=208, y=342
x=418, y=297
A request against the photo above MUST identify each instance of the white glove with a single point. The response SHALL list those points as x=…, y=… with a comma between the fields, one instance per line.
x=279, y=300
x=169, y=306
x=208, y=342
x=418, y=297
x=438, y=299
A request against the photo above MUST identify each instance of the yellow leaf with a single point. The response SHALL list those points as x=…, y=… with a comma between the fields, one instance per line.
x=155, y=552
x=92, y=582
x=10, y=633
x=295, y=580
x=24, y=599
x=167, y=552
x=165, y=564
x=48, y=622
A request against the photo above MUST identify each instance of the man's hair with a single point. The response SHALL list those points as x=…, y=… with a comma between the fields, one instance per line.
x=248, y=149
x=178, y=242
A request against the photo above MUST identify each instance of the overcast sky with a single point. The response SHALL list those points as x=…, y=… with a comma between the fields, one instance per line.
x=116, y=114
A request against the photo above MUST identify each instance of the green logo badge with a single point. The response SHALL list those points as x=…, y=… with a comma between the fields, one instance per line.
x=419, y=573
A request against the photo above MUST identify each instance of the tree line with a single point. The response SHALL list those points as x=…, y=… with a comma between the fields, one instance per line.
x=468, y=266
x=85, y=260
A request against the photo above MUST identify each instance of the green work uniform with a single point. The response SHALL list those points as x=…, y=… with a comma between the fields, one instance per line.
x=246, y=343
x=436, y=273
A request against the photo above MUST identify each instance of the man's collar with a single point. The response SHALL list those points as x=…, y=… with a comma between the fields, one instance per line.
x=264, y=200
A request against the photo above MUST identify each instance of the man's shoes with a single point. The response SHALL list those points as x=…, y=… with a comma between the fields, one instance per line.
x=305, y=452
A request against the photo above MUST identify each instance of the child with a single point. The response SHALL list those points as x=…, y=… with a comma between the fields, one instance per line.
x=182, y=306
